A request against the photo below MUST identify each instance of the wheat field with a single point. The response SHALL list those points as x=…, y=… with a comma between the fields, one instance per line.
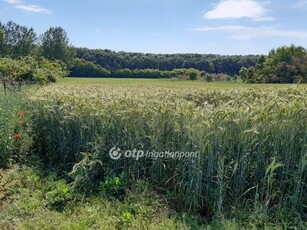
x=251, y=143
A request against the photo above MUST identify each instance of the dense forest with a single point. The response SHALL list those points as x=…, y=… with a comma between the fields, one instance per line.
x=21, y=45
x=211, y=63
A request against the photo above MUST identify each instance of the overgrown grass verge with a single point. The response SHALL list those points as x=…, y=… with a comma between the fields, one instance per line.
x=14, y=128
x=29, y=200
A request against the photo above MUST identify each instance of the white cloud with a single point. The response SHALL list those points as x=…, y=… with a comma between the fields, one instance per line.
x=245, y=33
x=33, y=8
x=234, y=9
x=300, y=4
x=30, y=8
x=13, y=2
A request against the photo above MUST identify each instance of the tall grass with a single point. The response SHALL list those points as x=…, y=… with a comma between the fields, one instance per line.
x=10, y=105
x=252, y=144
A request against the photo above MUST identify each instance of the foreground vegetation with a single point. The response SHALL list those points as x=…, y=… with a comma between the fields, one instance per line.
x=251, y=144
x=32, y=201
x=10, y=106
x=250, y=173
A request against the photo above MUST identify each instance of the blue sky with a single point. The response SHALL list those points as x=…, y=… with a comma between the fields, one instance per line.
x=168, y=26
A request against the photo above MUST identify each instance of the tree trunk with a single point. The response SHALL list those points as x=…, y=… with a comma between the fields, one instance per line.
x=4, y=86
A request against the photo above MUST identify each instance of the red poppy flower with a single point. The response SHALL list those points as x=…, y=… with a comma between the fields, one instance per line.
x=20, y=122
x=17, y=136
x=21, y=114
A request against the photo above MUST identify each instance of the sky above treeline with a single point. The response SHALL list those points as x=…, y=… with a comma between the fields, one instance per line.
x=168, y=26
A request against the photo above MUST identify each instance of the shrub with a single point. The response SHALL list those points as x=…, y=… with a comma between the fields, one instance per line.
x=209, y=78
x=58, y=196
x=192, y=75
x=31, y=70
x=114, y=185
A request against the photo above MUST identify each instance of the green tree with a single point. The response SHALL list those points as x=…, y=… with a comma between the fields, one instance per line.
x=55, y=45
x=243, y=73
x=261, y=62
x=193, y=74
x=16, y=40
x=286, y=64
x=2, y=41
x=248, y=74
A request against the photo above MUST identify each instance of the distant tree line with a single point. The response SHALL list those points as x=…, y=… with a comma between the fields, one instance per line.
x=209, y=63
x=51, y=51
x=82, y=68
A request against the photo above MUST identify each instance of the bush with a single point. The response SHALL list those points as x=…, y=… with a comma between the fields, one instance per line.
x=209, y=78
x=115, y=185
x=192, y=75
x=58, y=196
x=31, y=70
x=82, y=68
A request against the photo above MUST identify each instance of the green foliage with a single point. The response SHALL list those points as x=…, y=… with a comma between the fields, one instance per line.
x=2, y=40
x=248, y=75
x=244, y=74
x=209, y=77
x=115, y=185
x=55, y=45
x=82, y=68
x=210, y=63
x=88, y=69
x=31, y=70
x=16, y=40
x=283, y=65
x=24, y=194
x=126, y=217
x=193, y=75
x=142, y=73
x=58, y=195
x=49, y=71
x=190, y=74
